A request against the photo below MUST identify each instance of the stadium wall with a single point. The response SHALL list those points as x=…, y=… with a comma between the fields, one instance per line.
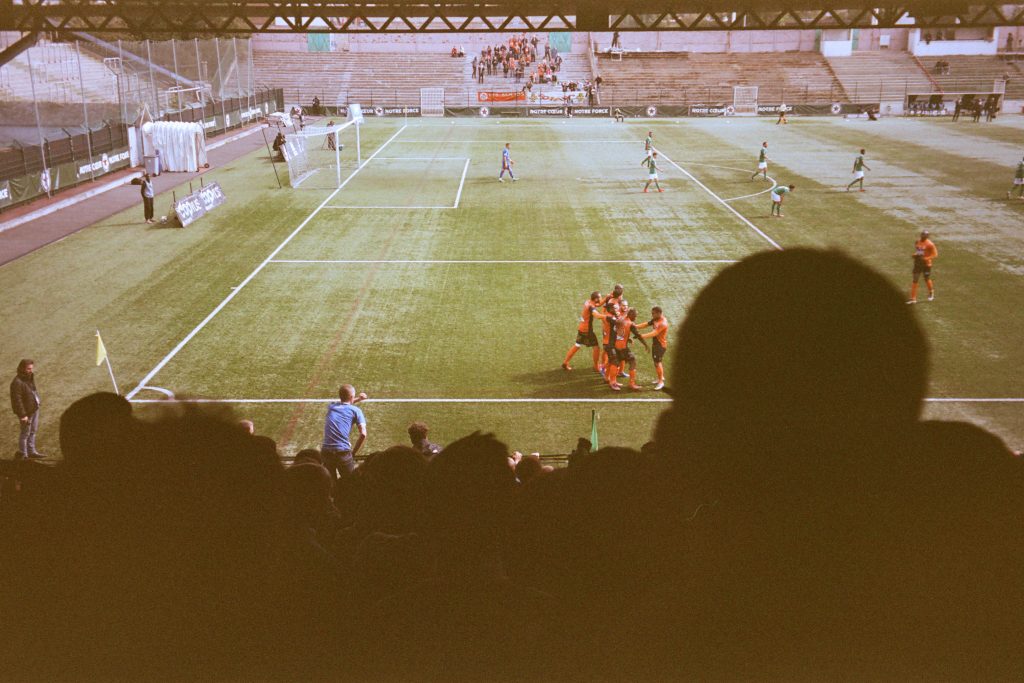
x=29, y=172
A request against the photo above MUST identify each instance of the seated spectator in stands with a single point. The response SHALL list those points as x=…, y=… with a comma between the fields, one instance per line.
x=529, y=467
x=813, y=504
x=316, y=106
x=418, y=437
x=308, y=455
x=163, y=537
x=469, y=618
x=309, y=490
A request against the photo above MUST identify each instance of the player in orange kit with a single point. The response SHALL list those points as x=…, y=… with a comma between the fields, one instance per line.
x=659, y=335
x=924, y=254
x=585, y=332
x=625, y=330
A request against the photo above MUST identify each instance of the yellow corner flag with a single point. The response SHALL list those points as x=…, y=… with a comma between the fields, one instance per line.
x=101, y=350
x=593, y=431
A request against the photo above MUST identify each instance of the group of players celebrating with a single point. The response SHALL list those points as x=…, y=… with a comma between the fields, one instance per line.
x=613, y=357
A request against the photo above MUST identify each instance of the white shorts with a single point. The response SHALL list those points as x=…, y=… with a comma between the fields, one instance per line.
x=649, y=153
x=1018, y=181
x=652, y=176
x=762, y=165
x=857, y=175
x=776, y=198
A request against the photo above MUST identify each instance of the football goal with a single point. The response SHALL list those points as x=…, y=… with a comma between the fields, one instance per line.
x=315, y=154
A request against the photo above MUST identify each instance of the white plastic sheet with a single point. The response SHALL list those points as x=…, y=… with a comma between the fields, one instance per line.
x=182, y=146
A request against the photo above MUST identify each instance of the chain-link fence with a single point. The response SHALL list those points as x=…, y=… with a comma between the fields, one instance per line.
x=66, y=107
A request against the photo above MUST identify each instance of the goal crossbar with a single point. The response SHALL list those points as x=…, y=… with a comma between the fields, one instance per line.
x=297, y=150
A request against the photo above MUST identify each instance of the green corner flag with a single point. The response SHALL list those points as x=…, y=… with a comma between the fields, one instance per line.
x=593, y=431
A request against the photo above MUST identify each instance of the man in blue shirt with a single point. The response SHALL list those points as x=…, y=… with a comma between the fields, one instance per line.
x=337, y=449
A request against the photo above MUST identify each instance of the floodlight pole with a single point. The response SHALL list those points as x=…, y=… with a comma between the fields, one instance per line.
x=359, y=149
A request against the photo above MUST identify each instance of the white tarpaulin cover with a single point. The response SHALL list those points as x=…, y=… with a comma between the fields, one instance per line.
x=182, y=146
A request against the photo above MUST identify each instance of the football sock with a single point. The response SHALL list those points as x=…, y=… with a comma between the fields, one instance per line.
x=931, y=286
x=632, y=376
x=661, y=373
x=597, y=358
x=913, y=291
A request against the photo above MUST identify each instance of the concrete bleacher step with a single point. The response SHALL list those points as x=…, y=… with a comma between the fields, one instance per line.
x=702, y=77
x=880, y=75
x=371, y=78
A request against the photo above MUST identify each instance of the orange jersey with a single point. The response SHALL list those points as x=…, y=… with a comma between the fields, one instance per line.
x=926, y=251
x=623, y=326
x=587, y=317
x=660, y=331
x=606, y=329
x=611, y=298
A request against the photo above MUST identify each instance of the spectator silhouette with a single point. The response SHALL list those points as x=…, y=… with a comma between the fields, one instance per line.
x=470, y=619
x=815, y=524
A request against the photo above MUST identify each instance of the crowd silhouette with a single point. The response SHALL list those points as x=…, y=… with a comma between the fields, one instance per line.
x=793, y=517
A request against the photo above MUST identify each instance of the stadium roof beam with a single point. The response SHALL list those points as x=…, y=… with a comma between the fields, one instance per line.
x=179, y=18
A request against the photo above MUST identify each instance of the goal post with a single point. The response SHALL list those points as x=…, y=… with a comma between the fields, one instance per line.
x=744, y=100
x=431, y=101
x=316, y=151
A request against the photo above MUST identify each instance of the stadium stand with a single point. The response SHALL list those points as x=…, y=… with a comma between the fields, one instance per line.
x=687, y=78
x=55, y=66
x=881, y=76
x=575, y=67
x=369, y=78
x=976, y=73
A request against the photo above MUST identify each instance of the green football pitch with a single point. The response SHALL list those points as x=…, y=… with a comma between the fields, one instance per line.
x=452, y=298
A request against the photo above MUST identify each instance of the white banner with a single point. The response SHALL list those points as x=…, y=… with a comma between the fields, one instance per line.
x=556, y=96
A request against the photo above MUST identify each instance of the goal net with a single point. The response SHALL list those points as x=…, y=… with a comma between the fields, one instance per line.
x=431, y=101
x=744, y=100
x=316, y=154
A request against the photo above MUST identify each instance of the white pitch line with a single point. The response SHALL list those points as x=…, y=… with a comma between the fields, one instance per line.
x=519, y=142
x=500, y=261
x=458, y=195
x=407, y=400
x=420, y=158
x=498, y=400
x=394, y=208
x=974, y=400
x=159, y=366
x=755, y=194
x=722, y=202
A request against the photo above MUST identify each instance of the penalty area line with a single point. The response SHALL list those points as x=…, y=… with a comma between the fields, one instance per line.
x=722, y=202
x=166, y=359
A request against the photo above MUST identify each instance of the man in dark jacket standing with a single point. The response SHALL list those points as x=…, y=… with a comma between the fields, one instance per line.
x=147, y=196
x=25, y=403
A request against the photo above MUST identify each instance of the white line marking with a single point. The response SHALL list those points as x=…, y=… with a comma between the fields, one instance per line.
x=975, y=400
x=420, y=158
x=395, y=208
x=462, y=182
x=408, y=400
x=521, y=142
x=499, y=261
x=160, y=390
x=229, y=297
x=499, y=400
x=722, y=202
